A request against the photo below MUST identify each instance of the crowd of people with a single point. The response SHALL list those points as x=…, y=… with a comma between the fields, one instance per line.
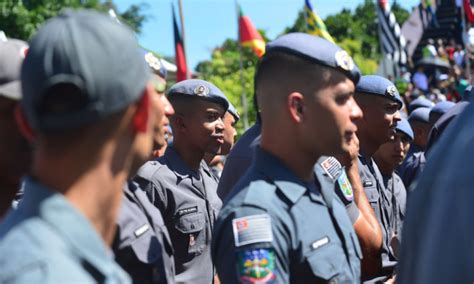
x=109, y=176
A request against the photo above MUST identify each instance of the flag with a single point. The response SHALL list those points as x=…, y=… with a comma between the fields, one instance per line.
x=392, y=41
x=314, y=24
x=249, y=36
x=181, y=73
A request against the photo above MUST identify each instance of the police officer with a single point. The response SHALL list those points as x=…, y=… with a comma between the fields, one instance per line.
x=388, y=157
x=180, y=184
x=304, y=86
x=380, y=102
x=142, y=245
x=14, y=148
x=91, y=129
x=231, y=118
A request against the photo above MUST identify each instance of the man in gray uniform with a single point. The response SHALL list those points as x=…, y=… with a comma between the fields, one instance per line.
x=15, y=151
x=142, y=244
x=265, y=233
x=380, y=102
x=388, y=157
x=91, y=129
x=180, y=184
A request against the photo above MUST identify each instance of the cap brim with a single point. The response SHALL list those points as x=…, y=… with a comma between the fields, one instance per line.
x=11, y=90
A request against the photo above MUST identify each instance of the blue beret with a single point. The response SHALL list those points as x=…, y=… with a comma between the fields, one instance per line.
x=199, y=89
x=421, y=114
x=317, y=50
x=232, y=110
x=442, y=107
x=379, y=86
x=420, y=102
x=404, y=127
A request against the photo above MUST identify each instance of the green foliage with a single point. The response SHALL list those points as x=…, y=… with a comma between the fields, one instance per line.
x=21, y=18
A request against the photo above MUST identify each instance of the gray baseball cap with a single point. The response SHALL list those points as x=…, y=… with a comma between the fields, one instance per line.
x=12, y=53
x=81, y=67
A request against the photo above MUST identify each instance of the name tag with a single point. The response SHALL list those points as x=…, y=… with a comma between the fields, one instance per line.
x=187, y=211
x=140, y=231
x=319, y=243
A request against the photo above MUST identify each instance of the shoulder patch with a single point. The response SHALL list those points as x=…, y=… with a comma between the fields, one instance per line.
x=256, y=266
x=252, y=229
x=345, y=186
x=331, y=167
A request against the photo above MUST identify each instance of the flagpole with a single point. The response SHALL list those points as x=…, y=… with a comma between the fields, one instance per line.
x=243, y=97
x=181, y=17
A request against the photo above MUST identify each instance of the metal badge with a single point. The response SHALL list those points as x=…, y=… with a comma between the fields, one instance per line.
x=201, y=90
x=344, y=60
x=153, y=61
x=391, y=91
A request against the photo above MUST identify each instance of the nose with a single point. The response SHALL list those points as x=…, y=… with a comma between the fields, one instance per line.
x=220, y=125
x=169, y=110
x=355, y=111
x=397, y=117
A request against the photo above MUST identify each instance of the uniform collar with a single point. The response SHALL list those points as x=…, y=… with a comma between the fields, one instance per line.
x=178, y=166
x=274, y=169
x=74, y=228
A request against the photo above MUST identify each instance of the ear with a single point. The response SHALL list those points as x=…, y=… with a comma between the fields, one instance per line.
x=142, y=115
x=179, y=122
x=23, y=125
x=296, y=106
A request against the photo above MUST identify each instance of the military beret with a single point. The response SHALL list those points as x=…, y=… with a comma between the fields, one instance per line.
x=421, y=114
x=232, y=110
x=420, y=102
x=317, y=50
x=404, y=127
x=379, y=86
x=442, y=107
x=199, y=89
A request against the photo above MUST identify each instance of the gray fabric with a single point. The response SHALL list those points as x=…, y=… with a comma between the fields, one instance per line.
x=197, y=88
x=12, y=53
x=270, y=188
x=437, y=235
x=239, y=160
x=380, y=200
x=90, y=53
x=143, y=246
x=46, y=240
x=189, y=205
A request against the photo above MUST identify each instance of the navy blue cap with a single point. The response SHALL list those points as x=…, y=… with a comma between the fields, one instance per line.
x=199, y=89
x=232, y=110
x=317, y=50
x=379, y=86
x=404, y=127
x=442, y=107
x=421, y=114
x=420, y=102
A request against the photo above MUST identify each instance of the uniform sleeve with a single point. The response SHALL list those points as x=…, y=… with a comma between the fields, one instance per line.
x=155, y=192
x=251, y=247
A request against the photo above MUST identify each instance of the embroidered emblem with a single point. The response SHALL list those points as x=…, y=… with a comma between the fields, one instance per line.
x=252, y=229
x=256, y=266
x=140, y=231
x=344, y=60
x=201, y=90
x=332, y=167
x=345, y=186
x=319, y=243
x=391, y=91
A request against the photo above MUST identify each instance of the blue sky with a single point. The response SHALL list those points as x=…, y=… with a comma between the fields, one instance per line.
x=209, y=22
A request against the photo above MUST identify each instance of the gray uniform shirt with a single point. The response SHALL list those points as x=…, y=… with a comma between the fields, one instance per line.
x=189, y=205
x=381, y=201
x=278, y=228
x=142, y=245
x=46, y=240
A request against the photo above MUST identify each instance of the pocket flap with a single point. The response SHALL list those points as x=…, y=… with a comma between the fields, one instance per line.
x=190, y=223
x=147, y=248
x=325, y=261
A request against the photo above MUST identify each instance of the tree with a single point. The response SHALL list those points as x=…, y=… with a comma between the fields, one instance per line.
x=223, y=70
x=21, y=18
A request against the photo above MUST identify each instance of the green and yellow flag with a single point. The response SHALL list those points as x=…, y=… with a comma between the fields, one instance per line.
x=314, y=24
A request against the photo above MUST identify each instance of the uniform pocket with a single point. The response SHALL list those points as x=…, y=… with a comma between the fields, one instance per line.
x=326, y=262
x=373, y=197
x=192, y=227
